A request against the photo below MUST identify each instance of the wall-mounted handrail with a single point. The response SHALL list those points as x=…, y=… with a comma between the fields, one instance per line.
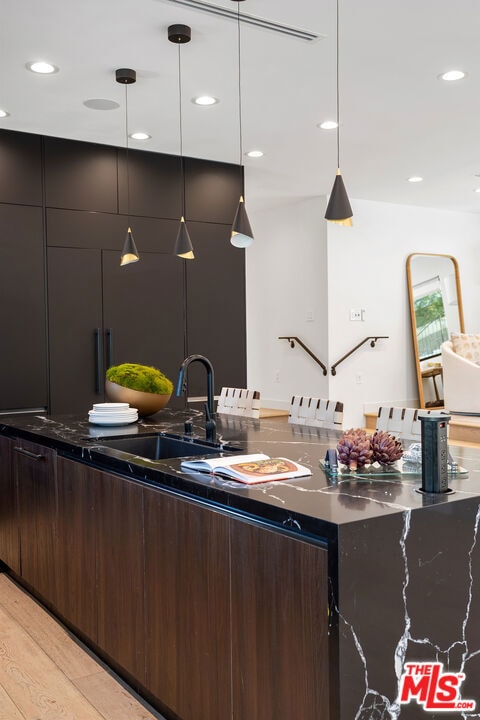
x=292, y=339
x=373, y=341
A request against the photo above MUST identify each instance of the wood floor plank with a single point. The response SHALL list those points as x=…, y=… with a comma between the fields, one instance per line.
x=34, y=683
x=45, y=674
x=112, y=700
x=49, y=634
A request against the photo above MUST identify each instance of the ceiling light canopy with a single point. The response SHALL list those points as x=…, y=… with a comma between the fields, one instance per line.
x=42, y=67
x=205, y=100
x=453, y=75
x=415, y=179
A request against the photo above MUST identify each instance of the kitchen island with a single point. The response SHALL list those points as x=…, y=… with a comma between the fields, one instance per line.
x=302, y=598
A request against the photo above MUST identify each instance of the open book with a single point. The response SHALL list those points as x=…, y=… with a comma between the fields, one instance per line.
x=249, y=469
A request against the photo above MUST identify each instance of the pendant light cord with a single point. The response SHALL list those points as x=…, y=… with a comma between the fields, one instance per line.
x=239, y=86
x=126, y=156
x=338, y=91
x=180, y=124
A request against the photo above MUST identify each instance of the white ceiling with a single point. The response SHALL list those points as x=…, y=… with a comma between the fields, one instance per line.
x=397, y=118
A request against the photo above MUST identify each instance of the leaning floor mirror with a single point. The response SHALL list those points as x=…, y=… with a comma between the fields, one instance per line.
x=436, y=311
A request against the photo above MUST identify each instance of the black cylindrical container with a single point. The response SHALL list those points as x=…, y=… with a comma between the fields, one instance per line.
x=434, y=453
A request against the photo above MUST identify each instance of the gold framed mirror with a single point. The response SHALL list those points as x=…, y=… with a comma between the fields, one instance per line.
x=436, y=310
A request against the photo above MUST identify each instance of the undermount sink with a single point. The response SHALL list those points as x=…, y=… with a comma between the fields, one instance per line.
x=164, y=447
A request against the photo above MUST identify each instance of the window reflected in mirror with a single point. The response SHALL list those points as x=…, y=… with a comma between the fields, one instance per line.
x=436, y=311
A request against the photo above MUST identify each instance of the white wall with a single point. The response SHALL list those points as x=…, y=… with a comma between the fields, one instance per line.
x=294, y=253
x=286, y=281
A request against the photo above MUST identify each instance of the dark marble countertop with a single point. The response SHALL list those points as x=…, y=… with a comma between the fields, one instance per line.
x=316, y=505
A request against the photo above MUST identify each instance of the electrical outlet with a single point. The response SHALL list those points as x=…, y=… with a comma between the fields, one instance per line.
x=309, y=316
x=358, y=378
x=356, y=315
x=276, y=377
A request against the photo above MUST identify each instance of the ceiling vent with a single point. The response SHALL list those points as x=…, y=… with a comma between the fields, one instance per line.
x=248, y=19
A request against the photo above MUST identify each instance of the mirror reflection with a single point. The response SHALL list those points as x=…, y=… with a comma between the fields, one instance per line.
x=436, y=311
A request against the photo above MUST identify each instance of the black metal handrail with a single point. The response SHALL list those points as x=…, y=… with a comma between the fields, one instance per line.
x=292, y=339
x=373, y=341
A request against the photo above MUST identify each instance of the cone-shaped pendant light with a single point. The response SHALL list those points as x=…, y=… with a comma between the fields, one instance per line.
x=129, y=252
x=181, y=34
x=338, y=209
x=126, y=77
x=241, y=235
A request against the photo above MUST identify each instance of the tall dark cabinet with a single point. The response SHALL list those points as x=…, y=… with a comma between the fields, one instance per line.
x=69, y=310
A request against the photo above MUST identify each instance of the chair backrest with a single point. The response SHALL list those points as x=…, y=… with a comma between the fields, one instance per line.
x=403, y=423
x=239, y=401
x=316, y=412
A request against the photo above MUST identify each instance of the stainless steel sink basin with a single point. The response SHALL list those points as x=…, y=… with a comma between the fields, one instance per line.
x=163, y=447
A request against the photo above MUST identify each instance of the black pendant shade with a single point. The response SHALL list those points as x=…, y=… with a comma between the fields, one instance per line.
x=183, y=244
x=242, y=235
x=129, y=252
x=339, y=209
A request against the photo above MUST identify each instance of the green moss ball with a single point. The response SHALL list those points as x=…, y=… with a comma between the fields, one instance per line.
x=140, y=377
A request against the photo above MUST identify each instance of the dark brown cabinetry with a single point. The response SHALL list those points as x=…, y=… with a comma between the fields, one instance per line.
x=279, y=623
x=76, y=593
x=120, y=571
x=101, y=314
x=34, y=469
x=23, y=362
x=9, y=537
x=20, y=168
x=187, y=595
x=213, y=615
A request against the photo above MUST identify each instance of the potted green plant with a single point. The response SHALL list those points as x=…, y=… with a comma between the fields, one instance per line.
x=143, y=387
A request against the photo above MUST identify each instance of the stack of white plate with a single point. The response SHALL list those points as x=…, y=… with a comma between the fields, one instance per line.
x=112, y=414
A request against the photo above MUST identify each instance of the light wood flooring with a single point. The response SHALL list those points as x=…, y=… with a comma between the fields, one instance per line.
x=45, y=674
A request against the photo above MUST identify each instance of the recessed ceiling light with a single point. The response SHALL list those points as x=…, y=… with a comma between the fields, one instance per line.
x=328, y=125
x=140, y=136
x=101, y=104
x=415, y=178
x=205, y=100
x=41, y=67
x=254, y=153
x=3, y=113
x=477, y=190
x=452, y=75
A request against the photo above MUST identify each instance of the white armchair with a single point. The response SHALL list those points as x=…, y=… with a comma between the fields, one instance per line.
x=461, y=382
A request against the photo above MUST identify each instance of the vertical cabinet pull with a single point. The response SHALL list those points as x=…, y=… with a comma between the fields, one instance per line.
x=98, y=360
x=34, y=456
x=109, y=337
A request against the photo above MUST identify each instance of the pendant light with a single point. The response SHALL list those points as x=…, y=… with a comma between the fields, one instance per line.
x=181, y=34
x=127, y=77
x=242, y=235
x=338, y=209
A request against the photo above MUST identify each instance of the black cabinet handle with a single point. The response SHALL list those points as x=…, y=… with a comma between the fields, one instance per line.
x=98, y=360
x=109, y=337
x=29, y=454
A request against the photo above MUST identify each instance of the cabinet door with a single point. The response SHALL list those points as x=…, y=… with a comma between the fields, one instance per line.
x=143, y=310
x=279, y=622
x=9, y=540
x=34, y=471
x=120, y=588
x=23, y=360
x=187, y=607
x=216, y=307
x=75, y=329
x=76, y=563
